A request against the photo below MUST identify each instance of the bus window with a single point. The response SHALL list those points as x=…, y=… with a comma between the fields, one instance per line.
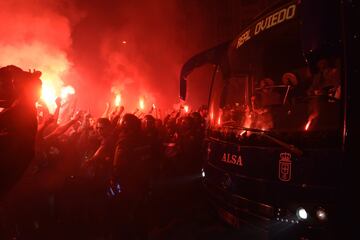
x=326, y=80
x=234, y=99
x=287, y=94
x=216, y=104
x=198, y=94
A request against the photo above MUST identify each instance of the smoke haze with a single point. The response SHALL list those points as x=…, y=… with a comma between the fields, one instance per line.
x=102, y=48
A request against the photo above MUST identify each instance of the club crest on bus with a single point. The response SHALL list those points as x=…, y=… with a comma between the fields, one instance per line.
x=285, y=167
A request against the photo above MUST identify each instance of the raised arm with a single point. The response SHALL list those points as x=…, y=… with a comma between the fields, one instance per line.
x=57, y=110
x=63, y=128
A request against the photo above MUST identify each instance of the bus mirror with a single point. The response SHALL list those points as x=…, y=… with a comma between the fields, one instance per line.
x=183, y=88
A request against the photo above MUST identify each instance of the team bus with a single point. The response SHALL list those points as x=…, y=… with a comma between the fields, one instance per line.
x=277, y=119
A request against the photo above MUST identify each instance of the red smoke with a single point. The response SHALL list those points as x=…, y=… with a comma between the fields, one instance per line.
x=104, y=48
x=35, y=36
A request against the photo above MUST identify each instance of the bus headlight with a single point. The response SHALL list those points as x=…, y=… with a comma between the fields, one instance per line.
x=202, y=173
x=321, y=214
x=301, y=213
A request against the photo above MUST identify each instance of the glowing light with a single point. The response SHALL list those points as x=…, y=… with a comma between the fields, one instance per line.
x=302, y=214
x=310, y=119
x=219, y=121
x=124, y=42
x=321, y=214
x=186, y=108
x=153, y=106
x=66, y=91
x=308, y=125
x=212, y=115
x=248, y=119
x=117, y=100
x=242, y=133
x=203, y=173
x=141, y=104
x=48, y=94
x=49, y=59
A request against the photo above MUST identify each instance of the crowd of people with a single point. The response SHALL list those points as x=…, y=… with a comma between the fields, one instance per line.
x=96, y=172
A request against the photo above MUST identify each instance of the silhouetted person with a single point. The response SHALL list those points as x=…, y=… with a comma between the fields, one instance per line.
x=102, y=159
x=327, y=79
x=262, y=102
x=131, y=170
x=153, y=139
x=18, y=123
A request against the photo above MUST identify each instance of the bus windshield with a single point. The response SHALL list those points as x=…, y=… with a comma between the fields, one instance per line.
x=270, y=86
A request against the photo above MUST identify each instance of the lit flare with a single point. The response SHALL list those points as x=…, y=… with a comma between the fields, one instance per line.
x=141, y=104
x=117, y=100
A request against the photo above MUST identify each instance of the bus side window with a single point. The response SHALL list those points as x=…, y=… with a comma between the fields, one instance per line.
x=266, y=94
x=326, y=81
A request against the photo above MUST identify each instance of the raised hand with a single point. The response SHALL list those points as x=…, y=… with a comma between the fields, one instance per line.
x=58, y=102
